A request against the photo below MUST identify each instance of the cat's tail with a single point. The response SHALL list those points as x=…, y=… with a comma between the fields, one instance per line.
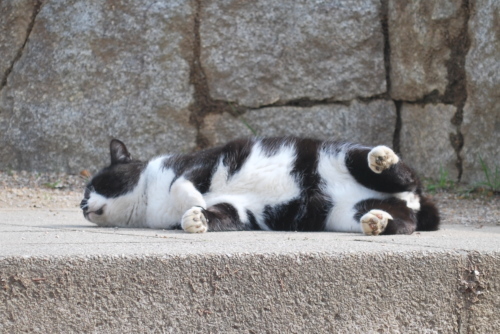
x=428, y=217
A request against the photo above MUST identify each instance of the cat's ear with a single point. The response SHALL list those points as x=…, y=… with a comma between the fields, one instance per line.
x=119, y=152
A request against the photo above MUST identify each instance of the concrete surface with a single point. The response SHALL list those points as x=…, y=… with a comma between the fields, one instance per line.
x=61, y=274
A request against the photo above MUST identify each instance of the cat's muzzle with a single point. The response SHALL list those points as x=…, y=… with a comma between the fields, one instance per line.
x=84, y=205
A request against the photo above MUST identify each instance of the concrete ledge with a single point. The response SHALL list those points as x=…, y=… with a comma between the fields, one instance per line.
x=60, y=274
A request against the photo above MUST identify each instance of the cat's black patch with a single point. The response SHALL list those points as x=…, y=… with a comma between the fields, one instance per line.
x=235, y=154
x=397, y=178
x=199, y=167
x=332, y=147
x=224, y=217
x=272, y=145
x=302, y=214
x=116, y=180
x=314, y=204
x=283, y=217
x=253, y=225
x=196, y=167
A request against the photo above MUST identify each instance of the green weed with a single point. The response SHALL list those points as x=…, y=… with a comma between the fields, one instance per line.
x=242, y=119
x=443, y=182
x=492, y=178
x=54, y=185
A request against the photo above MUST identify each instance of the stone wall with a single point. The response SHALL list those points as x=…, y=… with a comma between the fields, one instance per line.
x=180, y=75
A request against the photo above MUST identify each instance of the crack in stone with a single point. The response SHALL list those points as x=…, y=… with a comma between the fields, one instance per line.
x=198, y=79
x=396, y=141
x=36, y=10
x=302, y=103
x=203, y=103
x=384, y=21
x=456, y=91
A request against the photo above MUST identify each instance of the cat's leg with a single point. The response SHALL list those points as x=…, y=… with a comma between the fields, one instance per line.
x=194, y=220
x=380, y=169
x=387, y=216
x=374, y=222
x=218, y=217
x=381, y=158
x=183, y=195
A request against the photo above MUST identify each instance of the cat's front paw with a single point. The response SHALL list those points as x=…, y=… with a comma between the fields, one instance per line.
x=380, y=158
x=194, y=221
x=374, y=222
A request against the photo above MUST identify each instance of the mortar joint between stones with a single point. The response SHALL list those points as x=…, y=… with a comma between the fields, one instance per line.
x=36, y=9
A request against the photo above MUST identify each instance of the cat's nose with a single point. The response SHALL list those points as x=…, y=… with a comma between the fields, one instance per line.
x=84, y=205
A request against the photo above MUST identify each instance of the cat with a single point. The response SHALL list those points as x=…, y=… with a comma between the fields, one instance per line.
x=285, y=184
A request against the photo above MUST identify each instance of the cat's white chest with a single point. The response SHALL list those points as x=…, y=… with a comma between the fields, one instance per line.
x=160, y=208
x=344, y=192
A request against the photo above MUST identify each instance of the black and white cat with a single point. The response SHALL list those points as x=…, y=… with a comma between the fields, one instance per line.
x=286, y=184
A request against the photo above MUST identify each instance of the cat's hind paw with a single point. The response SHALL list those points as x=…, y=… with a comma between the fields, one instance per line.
x=374, y=222
x=194, y=221
x=381, y=158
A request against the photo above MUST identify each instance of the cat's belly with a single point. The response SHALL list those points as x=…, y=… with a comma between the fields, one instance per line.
x=262, y=181
x=344, y=199
x=344, y=192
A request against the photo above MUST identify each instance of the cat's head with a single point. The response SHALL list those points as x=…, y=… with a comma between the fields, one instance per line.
x=110, y=195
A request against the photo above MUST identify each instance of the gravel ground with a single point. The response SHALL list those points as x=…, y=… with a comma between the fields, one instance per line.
x=41, y=190
x=62, y=191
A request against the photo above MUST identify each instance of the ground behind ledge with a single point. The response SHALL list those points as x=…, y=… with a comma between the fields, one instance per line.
x=57, y=191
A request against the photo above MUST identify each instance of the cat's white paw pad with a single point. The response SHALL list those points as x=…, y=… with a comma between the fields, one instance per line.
x=194, y=221
x=380, y=158
x=374, y=222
